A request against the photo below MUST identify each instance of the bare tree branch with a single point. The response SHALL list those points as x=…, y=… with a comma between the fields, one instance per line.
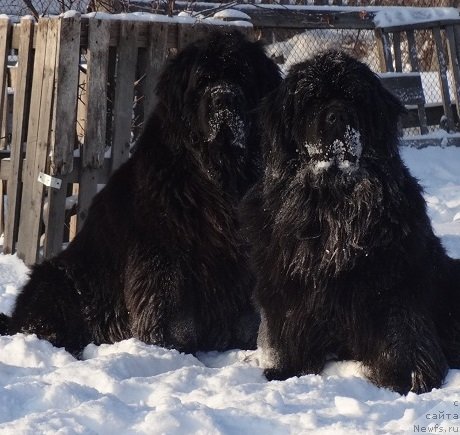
x=31, y=8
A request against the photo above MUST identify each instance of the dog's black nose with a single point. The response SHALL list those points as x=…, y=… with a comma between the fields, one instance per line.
x=223, y=99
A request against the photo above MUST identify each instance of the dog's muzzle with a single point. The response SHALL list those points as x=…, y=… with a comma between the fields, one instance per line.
x=225, y=121
x=343, y=153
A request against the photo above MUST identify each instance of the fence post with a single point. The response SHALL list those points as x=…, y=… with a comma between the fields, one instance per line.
x=384, y=50
x=124, y=93
x=453, y=52
x=5, y=31
x=415, y=66
x=157, y=53
x=92, y=156
x=37, y=140
x=443, y=77
x=5, y=34
x=63, y=130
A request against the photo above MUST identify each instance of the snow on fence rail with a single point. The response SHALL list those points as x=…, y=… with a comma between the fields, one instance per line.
x=79, y=88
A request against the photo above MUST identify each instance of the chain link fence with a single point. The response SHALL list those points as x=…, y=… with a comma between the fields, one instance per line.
x=36, y=8
x=290, y=46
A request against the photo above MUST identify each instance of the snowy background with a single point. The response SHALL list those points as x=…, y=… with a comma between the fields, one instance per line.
x=132, y=388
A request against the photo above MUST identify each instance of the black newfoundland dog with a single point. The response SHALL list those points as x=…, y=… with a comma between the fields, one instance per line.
x=160, y=257
x=345, y=254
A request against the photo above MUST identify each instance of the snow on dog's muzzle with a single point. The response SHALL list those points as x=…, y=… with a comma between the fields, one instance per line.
x=225, y=121
x=342, y=153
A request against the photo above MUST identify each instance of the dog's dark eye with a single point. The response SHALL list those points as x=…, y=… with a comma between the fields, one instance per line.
x=331, y=118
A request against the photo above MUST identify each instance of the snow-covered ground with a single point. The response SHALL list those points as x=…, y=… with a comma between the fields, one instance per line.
x=131, y=387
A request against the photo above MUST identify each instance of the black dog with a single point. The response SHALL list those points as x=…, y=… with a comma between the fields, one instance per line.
x=160, y=257
x=346, y=258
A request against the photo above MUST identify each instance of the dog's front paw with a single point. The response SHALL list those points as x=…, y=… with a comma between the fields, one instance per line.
x=423, y=381
x=274, y=374
x=426, y=373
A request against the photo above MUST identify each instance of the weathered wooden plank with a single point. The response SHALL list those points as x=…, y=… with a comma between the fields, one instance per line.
x=96, y=108
x=384, y=50
x=73, y=219
x=124, y=93
x=5, y=27
x=55, y=219
x=157, y=54
x=2, y=205
x=102, y=174
x=38, y=140
x=81, y=128
x=86, y=191
x=412, y=50
x=298, y=17
x=4, y=109
x=427, y=25
x=397, y=51
x=94, y=145
x=139, y=107
x=67, y=75
x=111, y=78
x=62, y=140
x=443, y=78
x=454, y=64
x=421, y=142
x=18, y=133
x=267, y=16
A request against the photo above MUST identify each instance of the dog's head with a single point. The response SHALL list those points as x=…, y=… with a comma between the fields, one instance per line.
x=332, y=115
x=211, y=89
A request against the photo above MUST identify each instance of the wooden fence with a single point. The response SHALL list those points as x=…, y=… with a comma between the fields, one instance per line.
x=79, y=90
x=76, y=85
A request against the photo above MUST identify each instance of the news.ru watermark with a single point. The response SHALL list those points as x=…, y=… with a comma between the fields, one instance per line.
x=439, y=420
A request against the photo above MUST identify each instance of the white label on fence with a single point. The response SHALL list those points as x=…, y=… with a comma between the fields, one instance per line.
x=49, y=181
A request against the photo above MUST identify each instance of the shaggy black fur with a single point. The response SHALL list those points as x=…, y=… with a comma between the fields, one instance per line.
x=159, y=257
x=346, y=258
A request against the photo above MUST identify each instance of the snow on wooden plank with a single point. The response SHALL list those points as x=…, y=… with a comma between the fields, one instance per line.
x=62, y=141
x=38, y=140
x=393, y=17
x=19, y=129
x=407, y=87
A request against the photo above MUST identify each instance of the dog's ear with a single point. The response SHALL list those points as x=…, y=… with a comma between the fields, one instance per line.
x=391, y=104
x=174, y=80
x=385, y=118
x=266, y=69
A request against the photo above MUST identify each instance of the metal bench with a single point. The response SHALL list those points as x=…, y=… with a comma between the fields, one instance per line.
x=392, y=43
